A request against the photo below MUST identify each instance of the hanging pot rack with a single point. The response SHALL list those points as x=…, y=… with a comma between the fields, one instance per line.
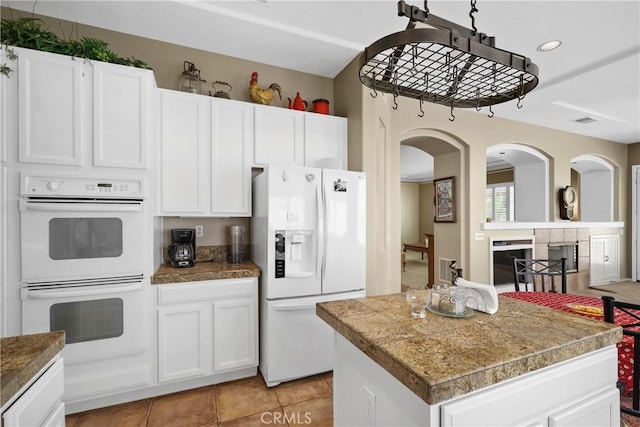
x=445, y=63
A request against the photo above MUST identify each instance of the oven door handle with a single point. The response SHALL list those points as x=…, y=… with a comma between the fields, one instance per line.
x=85, y=291
x=82, y=207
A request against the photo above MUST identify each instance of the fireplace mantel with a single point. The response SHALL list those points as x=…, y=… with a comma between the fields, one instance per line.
x=563, y=224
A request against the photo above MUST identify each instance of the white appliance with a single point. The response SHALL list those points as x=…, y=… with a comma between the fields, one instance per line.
x=308, y=237
x=73, y=228
x=83, y=272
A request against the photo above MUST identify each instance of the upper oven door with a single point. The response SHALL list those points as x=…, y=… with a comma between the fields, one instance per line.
x=73, y=239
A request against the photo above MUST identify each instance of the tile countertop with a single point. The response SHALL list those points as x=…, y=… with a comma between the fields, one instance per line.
x=207, y=270
x=439, y=358
x=22, y=357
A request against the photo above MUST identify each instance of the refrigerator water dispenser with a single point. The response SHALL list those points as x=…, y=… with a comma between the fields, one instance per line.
x=295, y=256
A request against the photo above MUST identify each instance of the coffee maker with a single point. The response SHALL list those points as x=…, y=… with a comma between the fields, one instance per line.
x=182, y=250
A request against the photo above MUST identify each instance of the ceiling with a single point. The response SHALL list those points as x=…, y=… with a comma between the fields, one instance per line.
x=594, y=73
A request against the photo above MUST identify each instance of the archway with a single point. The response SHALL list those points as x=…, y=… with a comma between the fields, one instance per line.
x=595, y=186
x=528, y=199
x=450, y=160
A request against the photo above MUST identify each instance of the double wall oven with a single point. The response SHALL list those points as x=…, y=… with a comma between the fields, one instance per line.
x=83, y=242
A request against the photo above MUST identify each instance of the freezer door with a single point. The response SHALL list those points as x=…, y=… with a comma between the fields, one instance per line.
x=294, y=236
x=294, y=341
x=344, y=216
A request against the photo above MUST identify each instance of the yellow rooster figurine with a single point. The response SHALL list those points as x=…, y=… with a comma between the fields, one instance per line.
x=262, y=96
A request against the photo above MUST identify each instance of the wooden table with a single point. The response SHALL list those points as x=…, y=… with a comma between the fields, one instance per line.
x=428, y=249
x=417, y=247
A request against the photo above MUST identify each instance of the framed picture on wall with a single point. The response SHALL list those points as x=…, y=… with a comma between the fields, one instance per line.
x=444, y=200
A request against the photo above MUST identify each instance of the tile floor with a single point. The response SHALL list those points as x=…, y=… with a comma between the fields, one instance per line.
x=247, y=402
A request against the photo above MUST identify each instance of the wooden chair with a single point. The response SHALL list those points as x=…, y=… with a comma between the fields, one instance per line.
x=610, y=305
x=525, y=272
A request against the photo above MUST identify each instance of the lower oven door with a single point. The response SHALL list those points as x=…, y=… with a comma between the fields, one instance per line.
x=106, y=328
x=67, y=238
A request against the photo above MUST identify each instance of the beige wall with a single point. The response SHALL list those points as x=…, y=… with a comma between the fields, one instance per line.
x=375, y=133
x=426, y=208
x=417, y=211
x=410, y=212
x=575, y=183
x=634, y=160
x=167, y=61
x=472, y=134
x=215, y=230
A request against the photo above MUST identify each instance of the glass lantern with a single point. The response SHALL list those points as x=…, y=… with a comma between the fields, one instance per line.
x=190, y=79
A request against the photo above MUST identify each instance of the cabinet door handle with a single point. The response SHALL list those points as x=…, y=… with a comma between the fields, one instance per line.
x=606, y=258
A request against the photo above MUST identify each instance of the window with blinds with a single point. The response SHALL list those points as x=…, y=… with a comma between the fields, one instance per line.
x=499, y=200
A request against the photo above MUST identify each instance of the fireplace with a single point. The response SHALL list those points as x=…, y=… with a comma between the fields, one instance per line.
x=568, y=250
x=503, y=250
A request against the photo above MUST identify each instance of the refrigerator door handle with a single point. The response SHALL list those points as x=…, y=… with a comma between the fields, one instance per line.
x=320, y=232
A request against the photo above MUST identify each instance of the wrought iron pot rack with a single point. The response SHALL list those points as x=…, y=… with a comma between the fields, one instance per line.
x=446, y=64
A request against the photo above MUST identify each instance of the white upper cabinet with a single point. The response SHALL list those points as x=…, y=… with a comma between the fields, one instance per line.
x=82, y=113
x=325, y=141
x=231, y=157
x=279, y=136
x=184, y=164
x=50, y=106
x=7, y=90
x=121, y=115
x=207, y=148
x=297, y=138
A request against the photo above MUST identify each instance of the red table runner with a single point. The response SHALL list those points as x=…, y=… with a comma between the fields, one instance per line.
x=561, y=301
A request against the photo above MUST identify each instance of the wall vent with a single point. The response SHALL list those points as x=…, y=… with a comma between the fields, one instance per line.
x=586, y=120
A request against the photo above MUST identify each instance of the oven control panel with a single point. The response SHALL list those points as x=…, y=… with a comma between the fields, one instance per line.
x=47, y=186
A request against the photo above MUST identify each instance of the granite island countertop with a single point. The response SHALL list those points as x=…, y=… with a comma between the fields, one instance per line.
x=22, y=357
x=206, y=270
x=439, y=358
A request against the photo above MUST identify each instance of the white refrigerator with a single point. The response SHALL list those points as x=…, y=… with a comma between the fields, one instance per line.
x=308, y=238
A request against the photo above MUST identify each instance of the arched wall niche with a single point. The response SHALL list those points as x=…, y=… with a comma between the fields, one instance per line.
x=531, y=178
x=596, y=187
x=450, y=159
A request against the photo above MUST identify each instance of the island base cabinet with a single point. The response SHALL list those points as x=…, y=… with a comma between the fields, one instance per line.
x=576, y=392
x=365, y=394
x=41, y=404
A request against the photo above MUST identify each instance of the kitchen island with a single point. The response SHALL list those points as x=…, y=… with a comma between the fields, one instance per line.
x=31, y=379
x=524, y=365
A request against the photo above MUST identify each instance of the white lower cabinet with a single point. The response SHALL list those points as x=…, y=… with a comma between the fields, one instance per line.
x=206, y=327
x=604, y=259
x=577, y=392
x=184, y=341
x=234, y=322
x=603, y=409
x=41, y=403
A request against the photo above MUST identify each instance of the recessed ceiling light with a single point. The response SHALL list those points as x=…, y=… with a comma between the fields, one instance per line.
x=550, y=45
